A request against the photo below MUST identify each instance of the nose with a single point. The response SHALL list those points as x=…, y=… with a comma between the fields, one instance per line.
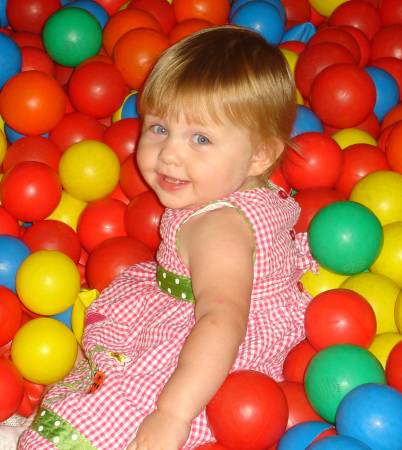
x=169, y=152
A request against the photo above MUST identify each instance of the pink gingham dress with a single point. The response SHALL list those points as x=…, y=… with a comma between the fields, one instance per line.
x=135, y=331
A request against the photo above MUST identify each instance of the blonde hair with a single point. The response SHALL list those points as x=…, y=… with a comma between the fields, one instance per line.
x=224, y=70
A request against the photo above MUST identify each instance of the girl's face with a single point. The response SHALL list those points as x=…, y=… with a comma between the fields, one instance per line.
x=188, y=164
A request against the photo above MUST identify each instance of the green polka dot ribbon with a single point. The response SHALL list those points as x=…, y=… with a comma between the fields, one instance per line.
x=175, y=285
x=59, y=432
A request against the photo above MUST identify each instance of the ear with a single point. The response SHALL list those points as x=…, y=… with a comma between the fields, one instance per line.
x=265, y=156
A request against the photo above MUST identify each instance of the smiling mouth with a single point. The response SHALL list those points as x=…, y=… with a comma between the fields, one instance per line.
x=171, y=183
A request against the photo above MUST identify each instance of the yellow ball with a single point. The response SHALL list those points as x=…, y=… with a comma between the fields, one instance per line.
x=299, y=98
x=48, y=282
x=3, y=146
x=383, y=344
x=68, y=210
x=89, y=170
x=398, y=312
x=326, y=7
x=84, y=299
x=44, y=350
x=351, y=136
x=381, y=293
x=389, y=261
x=1, y=124
x=382, y=193
x=291, y=58
x=324, y=280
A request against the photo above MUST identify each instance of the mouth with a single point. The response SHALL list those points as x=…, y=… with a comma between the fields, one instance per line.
x=170, y=183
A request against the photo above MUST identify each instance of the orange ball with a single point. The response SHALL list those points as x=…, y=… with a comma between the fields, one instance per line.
x=124, y=21
x=393, y=147
x=135, y=54
x=32, y=102
x=215, y=11
x=187, y=27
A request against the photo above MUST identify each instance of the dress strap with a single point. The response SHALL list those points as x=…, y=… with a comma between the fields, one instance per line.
x=177, y=286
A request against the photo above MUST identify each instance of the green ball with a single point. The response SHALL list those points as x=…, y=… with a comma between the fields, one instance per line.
x=345, y=237
x=71, y=35
x=334, y=372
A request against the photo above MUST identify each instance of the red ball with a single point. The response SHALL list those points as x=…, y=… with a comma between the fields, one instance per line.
x=390, y=12
x=101, y=220
x=31, y=400
x=63, y=74
x=112, y=257
x=362, y=41
x=27, y=39
x=393, y=147
x=394, y=67
x=32, y=102
x=359, y=14
x=387, y=43
x=249, y=411
x=8, y=223
x=340, y=316
x=343, y=95
x=317, y=163
x=393, y=368
x=161, y=10
x=358, y=161
x=30, y=191
x=53, y=235
x=10, y=315
x=297, y=11
x=122, y=137
x=131, y=181
x=11, y=389
x=311, y=201
x=315, y=59
x=278, y=178
x=36, y=59
x=32, y=148
x=371, y=125
x=76, y=127
x=30, y=15
x=111, y=6
x=97, y=89
x=300, y=409
x=142, y=219
x=392, y=117
x=214, y=11
x=297, y=360
x=187, y=27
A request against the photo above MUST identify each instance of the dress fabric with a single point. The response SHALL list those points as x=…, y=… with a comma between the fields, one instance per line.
x=134, y=331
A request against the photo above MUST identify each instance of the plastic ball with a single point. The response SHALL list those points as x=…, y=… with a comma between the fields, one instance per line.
x=122, y=136
x=389, y=261
x=64, y=316
x=136, y=52
x=32, y=148
x=36, y=59
x=30, y=15
x=326, y=7
x=338, y=237
x=48, y=282
x=398, y=312
x=97, y=89
x=372, y=414
x=161, y=10
x=101, y=220
x=383, y=344
x=297, y=360
x=131, y=181
x=32, y=397
x=338, y=442
x=84, y=299
x=8, y=224
x=89, y=170
x=12, y=253
x=387, y=43
x=262, y=17
x=127, y=109
x=393, y=66
x=11, y=389
x=315, y=283
x=10, y=315
x=32, y=102
x=350, y=136
x=297, y=10
x=10, y=59
x=142, y=219
x=266, y=406
x=94, y=8
x=68, y=210
x=3, y=146
x=44, y=350
x=72, y=35
x=306, y=121
x=303, y=434
x=392, y=148
x=53, y=235
x=393, y=368
x=342, y=95
x=381, y=192
x=112, y=257
x=390, y=12
x=340, y=316
x=335, y=371
x=112, y=6
x=317, y=163
x=30, y=190
x=76, y=127
x=214, y=11
x=187, y=27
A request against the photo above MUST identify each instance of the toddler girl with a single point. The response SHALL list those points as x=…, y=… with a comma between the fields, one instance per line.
x=224, y=293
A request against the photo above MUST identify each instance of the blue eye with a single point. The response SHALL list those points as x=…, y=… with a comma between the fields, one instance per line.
x=158, y=129
x=200, y=139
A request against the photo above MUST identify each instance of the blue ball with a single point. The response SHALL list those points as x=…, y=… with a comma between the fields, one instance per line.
x=262, y=17
x=13, y=136
x=338, y=443
x=372, y=413
x=277, y=3
x=64, y=317
x=306, y=121
x=301, y=435
x=3, y=13
x=301, y=32
x=12, y=253
x=387, y=91
x=10, y=59
x=97, y=10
